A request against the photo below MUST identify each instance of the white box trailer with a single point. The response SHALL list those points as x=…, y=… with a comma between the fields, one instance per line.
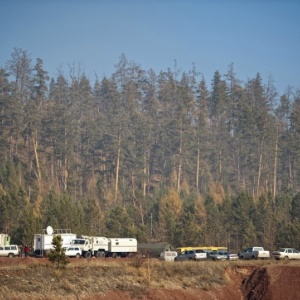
x=4, y=239
x=42, y=243
x=122, y=247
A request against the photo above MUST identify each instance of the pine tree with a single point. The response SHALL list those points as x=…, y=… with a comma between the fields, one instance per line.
x=220, y=134
x=5, y=114
x=57, y=255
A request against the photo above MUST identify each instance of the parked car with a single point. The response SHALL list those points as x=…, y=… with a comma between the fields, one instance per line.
x=218, y=255
x=73, y=251
x=9, y=250
x=286, y=253
x=232, y=256
x=191, y=255
x=229, y=255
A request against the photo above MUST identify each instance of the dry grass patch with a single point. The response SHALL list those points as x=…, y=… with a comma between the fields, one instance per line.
x=94, y=276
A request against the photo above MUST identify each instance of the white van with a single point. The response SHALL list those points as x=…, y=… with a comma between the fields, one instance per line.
x=168, y=255
x=9, y=251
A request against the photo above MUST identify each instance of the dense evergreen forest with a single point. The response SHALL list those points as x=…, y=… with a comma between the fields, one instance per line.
x=160, y=157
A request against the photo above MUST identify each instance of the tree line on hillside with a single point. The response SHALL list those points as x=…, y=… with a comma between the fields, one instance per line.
x=157, y=156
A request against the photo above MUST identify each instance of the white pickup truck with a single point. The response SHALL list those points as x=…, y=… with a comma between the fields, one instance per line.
x=255, y=253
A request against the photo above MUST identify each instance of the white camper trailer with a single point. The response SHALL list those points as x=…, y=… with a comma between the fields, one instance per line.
x=4, y=239
x=42, y=243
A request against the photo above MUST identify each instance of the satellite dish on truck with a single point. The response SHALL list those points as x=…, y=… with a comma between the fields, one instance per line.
x=49, y=230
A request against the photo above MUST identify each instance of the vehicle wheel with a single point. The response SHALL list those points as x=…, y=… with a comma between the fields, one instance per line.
x=253, y=257
x=99, y=254
x=102, y=253
x=88, y=254
x=286, y=258
x=77, y=255
x=114, y=255
x=11, y=255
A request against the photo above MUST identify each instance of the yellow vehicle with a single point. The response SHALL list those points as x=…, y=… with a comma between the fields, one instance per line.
x=204, y=248
x=218, y=249
x=181, y=249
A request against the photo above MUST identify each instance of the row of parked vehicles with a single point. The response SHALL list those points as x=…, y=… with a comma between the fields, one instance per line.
x=88, y=246
x=209, y=253
x=198, y=253
x=204, y=254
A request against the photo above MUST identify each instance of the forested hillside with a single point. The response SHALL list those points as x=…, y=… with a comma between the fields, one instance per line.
x=165, y=157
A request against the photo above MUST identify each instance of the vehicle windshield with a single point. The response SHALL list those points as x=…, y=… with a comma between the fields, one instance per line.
x=78, y=242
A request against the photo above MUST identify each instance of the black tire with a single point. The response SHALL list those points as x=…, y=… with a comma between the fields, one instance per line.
x=88, y=254
x=11, y=255
x=286, y=258
x=114, y=255
x=77, y=255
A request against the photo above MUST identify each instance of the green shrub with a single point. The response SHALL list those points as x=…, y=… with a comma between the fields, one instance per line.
x=57, y=255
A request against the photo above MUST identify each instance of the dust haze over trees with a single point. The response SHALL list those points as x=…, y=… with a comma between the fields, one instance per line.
x=166, y=157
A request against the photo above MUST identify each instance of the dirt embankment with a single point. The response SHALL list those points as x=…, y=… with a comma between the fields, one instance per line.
x=274, y=282
x=34, y=279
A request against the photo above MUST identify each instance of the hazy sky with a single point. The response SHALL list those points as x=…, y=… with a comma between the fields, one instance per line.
x=255, y=35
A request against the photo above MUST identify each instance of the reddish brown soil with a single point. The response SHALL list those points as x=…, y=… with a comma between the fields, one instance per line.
x=273, y=281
